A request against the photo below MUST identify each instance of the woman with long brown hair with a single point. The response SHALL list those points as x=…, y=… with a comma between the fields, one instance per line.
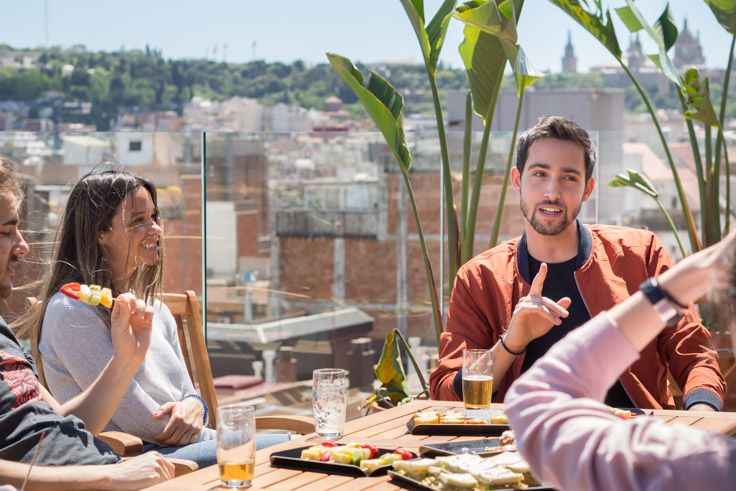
x=111, y=235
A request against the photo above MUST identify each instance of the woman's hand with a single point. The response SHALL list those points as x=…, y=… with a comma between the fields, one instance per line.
x=705, y=271
x=139, y=472
x=185, y=423
x=132, y=322
x=534, y=315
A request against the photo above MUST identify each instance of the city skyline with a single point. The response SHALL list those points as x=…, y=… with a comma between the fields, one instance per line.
x=245, y=31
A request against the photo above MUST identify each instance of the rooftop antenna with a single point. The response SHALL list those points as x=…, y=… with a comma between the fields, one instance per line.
x=46, y=22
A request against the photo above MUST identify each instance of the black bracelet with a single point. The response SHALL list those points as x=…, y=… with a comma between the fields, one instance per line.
x=515, y=353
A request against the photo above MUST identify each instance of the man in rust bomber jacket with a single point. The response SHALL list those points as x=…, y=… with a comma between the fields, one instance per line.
x=522, y=296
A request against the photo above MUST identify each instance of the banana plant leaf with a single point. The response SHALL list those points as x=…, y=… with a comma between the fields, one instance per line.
x=485, y=15
x=698, y=100
x=524, y=72
x=640, y=182
x=725, y=12
x=390, y=372
x=383, y=103
x=599, y=25
x=635, y=180
x=484, y=61
x=500, y=22
x=432, y=36
x=663, y=32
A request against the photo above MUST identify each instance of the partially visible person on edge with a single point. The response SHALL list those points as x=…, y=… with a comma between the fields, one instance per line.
x=524, y=295
x=111, y=235
x=69, y=455
x=573, y=441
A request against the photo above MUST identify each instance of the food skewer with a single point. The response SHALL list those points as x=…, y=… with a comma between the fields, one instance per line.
x=92, y=294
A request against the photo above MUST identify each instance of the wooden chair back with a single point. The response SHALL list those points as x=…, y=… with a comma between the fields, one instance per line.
x=185, y=309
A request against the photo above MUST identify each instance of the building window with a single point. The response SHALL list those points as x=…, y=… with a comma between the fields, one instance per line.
x=134, y=146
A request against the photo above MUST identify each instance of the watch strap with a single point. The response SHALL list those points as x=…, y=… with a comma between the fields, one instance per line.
x=660, y=302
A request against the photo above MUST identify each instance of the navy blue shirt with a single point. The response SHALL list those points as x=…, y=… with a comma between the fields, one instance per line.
x=560, y=282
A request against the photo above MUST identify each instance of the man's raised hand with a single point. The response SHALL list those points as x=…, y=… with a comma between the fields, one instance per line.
x=534, y=315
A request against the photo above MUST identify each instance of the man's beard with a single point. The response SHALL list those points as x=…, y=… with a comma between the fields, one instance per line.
x=546, y=228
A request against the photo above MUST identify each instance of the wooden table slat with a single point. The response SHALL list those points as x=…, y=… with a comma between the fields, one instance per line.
x=327, y=482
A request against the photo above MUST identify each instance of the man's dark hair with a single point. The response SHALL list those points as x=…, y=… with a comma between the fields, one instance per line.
x=9, y=181
x=562, y=129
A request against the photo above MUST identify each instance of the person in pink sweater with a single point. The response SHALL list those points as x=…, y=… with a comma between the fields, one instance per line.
x=573, y=441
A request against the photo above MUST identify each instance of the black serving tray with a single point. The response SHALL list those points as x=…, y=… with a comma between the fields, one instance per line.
x=461, y=429
x=290, y=459
x=418, y=485
x=456, y=448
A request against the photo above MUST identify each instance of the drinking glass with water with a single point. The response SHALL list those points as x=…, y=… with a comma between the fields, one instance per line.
x=329, y=401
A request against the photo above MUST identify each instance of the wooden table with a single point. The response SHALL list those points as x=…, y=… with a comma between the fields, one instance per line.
x=388, y=429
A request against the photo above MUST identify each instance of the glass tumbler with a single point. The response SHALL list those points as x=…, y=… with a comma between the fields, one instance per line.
x=236, y=445
x=477, y=378
x=329, y=401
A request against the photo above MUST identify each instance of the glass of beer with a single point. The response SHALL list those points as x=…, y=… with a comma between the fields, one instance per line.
x=477, y=378
x=236, y=445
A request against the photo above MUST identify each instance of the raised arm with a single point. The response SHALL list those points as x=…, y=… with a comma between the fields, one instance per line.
x=468, y=327
x=569, y=436
x=131, y=336
x=691, y=357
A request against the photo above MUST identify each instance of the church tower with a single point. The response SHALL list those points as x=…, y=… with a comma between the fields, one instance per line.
x=635, y=59
x=569, y=62
x=688, y=51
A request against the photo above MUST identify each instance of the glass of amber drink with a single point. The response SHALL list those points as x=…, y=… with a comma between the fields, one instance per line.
x=236, y=445
x=477, y=378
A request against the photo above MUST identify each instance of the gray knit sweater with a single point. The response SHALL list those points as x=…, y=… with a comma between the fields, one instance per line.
x=75, y=346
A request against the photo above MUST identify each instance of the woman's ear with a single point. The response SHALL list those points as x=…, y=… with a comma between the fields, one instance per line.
x=101, y=238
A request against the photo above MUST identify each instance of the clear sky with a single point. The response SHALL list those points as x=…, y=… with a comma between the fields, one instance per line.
x=289, y=30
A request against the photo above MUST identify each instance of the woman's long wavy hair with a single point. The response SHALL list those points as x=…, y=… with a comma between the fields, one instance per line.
x=78, y=257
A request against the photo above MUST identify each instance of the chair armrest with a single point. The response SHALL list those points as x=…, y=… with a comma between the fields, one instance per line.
x=297, y=424
x=182, y=467
x=121, y=443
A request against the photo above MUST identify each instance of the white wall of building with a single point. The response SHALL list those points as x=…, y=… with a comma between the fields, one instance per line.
x=221, y=233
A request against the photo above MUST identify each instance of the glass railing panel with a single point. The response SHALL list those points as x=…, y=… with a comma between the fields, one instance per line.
x=49, y=164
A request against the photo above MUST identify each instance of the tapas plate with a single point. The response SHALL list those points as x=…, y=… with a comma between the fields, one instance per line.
x=449, y=429
x=478, y=447
x=291, y=459
x=418, y=485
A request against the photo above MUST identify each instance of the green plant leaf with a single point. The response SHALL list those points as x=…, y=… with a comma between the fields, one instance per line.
x=477, y=49
x=384, y=104
x=725, y=12
x=390, y=369
x=599, y=25
x=436, y=30
x=485, y=15
x=484, y=60
x=431, y=37
x=666, y=25
x=663, y=33
x=525, y=72
x=635, y=180
x=698, y=100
